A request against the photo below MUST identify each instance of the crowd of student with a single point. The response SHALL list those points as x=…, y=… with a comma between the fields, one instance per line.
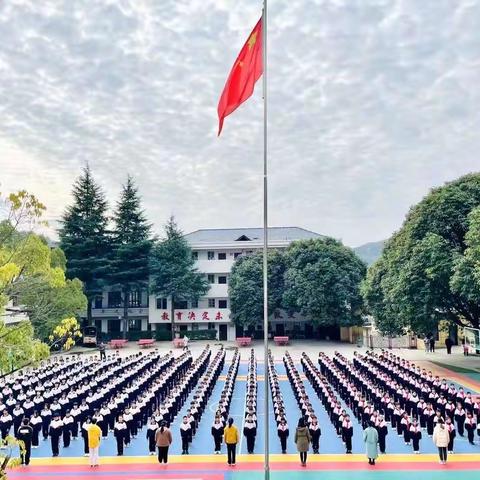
x=339, y=418
x=250, y=421
x=223, y=408
x=304, y=404
x=283, y=430
x=64, y=397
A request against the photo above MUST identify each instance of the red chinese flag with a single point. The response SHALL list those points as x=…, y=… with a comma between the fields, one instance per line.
x=247, y=69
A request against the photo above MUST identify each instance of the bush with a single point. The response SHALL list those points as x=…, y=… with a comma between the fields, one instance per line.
x=209, y=334
x=163, y=335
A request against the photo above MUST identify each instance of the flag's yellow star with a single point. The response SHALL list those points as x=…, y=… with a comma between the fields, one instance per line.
x=252, y=40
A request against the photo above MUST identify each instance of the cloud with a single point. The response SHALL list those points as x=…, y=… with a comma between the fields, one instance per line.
x=371, y=104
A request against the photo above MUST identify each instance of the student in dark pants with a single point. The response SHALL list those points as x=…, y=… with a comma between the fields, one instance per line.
x=152, y=428
x=217, y=434
x=120, y=432
x=250, y=432
x=186, y=435
x=55, y=432
x=25, y=433
x=283, y=433
x=163, y=439
x=231, y=439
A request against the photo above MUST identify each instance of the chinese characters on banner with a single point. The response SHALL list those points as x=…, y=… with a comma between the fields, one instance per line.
x=191, y=316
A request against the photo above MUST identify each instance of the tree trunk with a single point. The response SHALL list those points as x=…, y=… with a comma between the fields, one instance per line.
x=89, y=311
x=172, y=316
x=125, y=314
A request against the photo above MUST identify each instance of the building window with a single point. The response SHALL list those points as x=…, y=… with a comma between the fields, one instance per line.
x=180, y=305
x=222, y=304
x=211, y=303
x=222, y=256
x=161, y=303
x=211, y=326
x=194, y=255
x=98, y=302
x=211, y=255
x=211, y=278
x=114, y=299
x=222, y=279
x=237, y=254
x=135, y=325
x=194, y=304
x=195, y=326
x=134, y=298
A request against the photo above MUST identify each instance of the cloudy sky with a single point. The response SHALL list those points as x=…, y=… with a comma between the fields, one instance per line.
x=372, y=102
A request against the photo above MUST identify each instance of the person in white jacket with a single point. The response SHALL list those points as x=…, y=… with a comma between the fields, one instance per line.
x=441, y=438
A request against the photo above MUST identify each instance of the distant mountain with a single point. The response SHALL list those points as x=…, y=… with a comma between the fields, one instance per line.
x=370, y=252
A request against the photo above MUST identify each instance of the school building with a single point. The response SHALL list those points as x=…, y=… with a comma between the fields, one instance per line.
x=215, y=251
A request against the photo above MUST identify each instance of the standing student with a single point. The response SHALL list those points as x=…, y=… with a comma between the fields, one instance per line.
x=151, y=430
x=163, y=439
x=382, y=430
x=441, y=439
x=315, y=433
x=120, y=432
x=231, y=438
x=25, y=433
x=302, y=440
x=55, y=432
x=46, y=415
x=370, y=438
x=450, y=426
x=250, y=432
x=36, y=424
x=94, y=436
x=185, y=434
x=347, y=433
x=416, y=436
x=283, y=433
x=85, y=426
x=6, y=422
x=217, y=434
x=449, y=344
x=68, y=421
x=470, y=426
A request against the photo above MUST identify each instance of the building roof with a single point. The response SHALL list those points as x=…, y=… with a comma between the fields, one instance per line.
x=244, y=236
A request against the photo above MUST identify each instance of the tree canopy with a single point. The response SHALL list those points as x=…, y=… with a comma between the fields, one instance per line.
x=429, y=269
x=131, y=246
x=246, y=287
x=172, y=269
x=319, y=279
x=84, y=237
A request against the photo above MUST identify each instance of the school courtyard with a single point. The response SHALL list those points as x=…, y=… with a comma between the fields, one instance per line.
x=332, y=463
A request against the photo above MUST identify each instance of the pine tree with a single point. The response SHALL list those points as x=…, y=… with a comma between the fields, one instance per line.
x=84, y=237
x=172, y=270
x=129, y=266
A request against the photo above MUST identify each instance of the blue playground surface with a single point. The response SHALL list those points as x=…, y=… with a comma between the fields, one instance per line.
x=203, y=441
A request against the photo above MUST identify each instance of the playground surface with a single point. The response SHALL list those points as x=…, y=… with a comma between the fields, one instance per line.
x=201, y=464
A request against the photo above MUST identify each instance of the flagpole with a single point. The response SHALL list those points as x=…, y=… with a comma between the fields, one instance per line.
x=265, y=243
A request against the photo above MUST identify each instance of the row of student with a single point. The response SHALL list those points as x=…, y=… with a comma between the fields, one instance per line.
x=223, y=408
x=165, y=397
x=428, y=413
x=250, y=420
x=338, y=416
x=278, y=404
x=76, y=413
x=113, y=383
x=303, y=401
x=191, y=420
x=406, y=426
x=421, y=381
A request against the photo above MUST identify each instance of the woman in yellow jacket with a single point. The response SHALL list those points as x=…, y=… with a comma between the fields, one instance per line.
x=231, y=437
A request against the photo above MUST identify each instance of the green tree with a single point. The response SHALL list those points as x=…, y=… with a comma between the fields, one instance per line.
x=427, y=270
x=172, y=270
x=129, y=264
x=84, y=237
x=245, y=288
x=322, y=282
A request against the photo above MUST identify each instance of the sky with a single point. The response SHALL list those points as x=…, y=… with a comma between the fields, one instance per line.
x=371, y=104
